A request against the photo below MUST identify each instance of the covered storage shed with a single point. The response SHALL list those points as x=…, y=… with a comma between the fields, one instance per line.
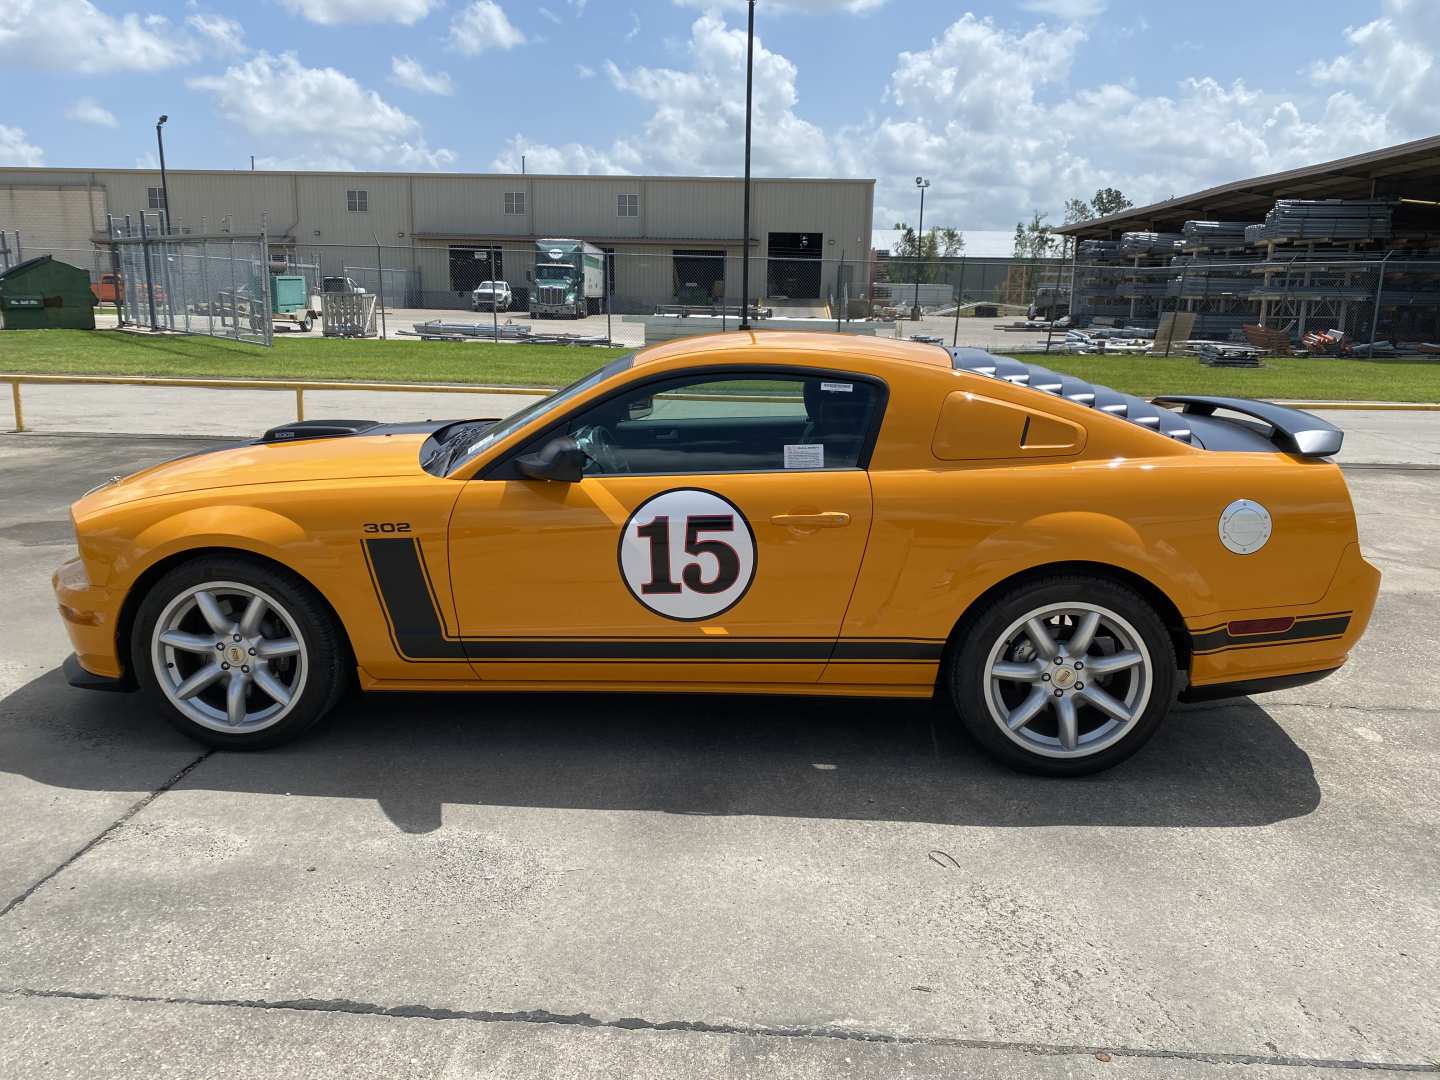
x=45, y=294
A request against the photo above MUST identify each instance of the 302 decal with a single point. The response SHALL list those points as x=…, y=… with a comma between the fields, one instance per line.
x=687, y=554
x=387, y=527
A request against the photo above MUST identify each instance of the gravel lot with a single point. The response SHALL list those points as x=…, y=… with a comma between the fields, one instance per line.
x=597, y=887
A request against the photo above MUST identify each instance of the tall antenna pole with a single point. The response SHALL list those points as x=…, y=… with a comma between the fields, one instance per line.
x=745, y=255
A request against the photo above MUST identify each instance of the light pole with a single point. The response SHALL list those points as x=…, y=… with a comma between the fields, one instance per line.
x=164, y=184
x=745, y=253
x=922, y=184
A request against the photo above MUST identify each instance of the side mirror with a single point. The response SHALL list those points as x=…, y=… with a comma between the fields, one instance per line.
x=640, y=408
x=561, y=459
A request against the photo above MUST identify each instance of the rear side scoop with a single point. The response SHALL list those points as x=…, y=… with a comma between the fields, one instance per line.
x=1291, y=430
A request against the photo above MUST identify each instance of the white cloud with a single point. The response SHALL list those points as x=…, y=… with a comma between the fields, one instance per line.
x=89, y=111
x=547, y=13
x=789, y=7
x=339, y=12
x=481, y=26
x=15, y=149
x=993, y=117
x=279, y=100
x=76, y=37
x=1393, y=60
x=584, y=71
x=410, y=73
x=222, y=33
x=1073, y=10
x=697, y=119
x=570, y=159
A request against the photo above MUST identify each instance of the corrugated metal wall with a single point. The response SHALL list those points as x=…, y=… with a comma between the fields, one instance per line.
x=415, y=218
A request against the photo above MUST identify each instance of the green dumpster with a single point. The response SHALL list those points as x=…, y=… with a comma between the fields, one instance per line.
x=46, y=294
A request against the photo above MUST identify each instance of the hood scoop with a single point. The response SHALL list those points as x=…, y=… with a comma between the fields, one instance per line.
x=316, y=429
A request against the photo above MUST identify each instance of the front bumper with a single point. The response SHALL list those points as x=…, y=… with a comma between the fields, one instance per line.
x=91, y=615
x=1316, y=643
x=76, y=675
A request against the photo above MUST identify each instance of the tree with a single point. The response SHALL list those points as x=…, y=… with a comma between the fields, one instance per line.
x=952, y=242
x=923, y=253
x=1035, y=240
x=1077, y=210
x=1108, y=201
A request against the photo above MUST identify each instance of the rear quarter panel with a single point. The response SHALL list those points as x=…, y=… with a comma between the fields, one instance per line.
x=947, y=532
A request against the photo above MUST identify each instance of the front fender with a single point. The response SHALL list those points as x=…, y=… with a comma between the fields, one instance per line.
x=244, y=528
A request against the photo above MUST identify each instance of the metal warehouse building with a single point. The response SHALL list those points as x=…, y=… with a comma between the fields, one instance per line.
x=671, y=236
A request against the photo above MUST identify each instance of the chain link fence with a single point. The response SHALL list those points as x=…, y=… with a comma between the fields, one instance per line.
x=224, y=283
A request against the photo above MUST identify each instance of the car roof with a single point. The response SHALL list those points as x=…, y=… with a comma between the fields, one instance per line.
x=773, y=344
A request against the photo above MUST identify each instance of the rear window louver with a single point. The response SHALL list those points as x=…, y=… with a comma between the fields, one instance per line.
x=1125, y=406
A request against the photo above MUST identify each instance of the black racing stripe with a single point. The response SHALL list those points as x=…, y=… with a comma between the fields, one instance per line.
x=1306, y=628
x=395, y=564
x=658, y=649
x=401, y=579
x=815, y=650
x=888, y=650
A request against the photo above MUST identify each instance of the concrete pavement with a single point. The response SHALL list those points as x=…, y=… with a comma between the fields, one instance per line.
x=614, y=886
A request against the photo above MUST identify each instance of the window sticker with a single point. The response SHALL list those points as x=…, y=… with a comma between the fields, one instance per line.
x=837, y=387
x=805, y=455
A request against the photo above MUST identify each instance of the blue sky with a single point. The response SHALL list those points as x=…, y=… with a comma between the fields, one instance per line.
x=1009, y=108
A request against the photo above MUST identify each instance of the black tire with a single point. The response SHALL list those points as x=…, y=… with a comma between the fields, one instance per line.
x=306, y=324
x=326, y=650
x=966, y=665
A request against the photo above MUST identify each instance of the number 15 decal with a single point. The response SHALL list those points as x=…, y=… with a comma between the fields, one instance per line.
x=687, y=554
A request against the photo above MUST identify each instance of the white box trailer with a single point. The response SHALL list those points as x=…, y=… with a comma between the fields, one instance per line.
x=569, y=279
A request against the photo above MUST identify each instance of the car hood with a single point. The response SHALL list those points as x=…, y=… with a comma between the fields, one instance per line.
x=303, y=460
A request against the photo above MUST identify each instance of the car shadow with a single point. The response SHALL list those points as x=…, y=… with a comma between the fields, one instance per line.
x=1226, y=765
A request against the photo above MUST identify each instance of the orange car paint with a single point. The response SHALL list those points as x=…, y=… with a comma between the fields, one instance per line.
x=972, y=481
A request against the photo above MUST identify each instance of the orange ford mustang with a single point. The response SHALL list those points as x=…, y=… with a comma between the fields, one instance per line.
x=749, y=513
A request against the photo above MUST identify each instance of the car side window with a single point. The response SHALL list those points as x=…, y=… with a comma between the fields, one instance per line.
x=723, y=423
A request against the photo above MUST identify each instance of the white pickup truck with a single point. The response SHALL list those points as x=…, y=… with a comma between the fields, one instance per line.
x=490, y=295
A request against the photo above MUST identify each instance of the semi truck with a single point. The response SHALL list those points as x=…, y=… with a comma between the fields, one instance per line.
x=569, y=279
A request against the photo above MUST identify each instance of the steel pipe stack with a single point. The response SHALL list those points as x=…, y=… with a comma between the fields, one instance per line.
x=1327, y=219
x=1213, y=235
x=1149, y=243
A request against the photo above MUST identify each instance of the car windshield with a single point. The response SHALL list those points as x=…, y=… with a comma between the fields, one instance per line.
x=537, y=409
x=552, y=273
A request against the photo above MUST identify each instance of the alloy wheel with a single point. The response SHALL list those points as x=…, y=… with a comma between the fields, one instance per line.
x=229, y=656
x=1068, y=680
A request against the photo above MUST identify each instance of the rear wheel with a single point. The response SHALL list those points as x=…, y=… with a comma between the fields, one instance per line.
x=306, y=324
x=238, y=654
x=1067, y=676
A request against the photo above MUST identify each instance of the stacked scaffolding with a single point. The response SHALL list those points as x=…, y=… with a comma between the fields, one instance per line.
x=1312, y=266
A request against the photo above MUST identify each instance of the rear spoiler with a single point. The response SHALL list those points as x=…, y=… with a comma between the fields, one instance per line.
x=1291, y=430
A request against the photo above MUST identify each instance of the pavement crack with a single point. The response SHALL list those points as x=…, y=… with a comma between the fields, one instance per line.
x=104, y=834
x=586, y=1020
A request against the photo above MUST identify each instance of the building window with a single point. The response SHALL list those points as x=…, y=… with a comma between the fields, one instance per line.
x=155, y=197
x=357, y=201
x=629, y=205
x=514, y=202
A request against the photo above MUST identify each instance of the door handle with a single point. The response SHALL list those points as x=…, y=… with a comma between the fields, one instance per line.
x=828, y=519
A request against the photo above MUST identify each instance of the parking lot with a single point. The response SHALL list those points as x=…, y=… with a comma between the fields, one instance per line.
x=620, y=886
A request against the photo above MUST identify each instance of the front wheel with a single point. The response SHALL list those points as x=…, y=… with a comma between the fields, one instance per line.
x=1067, y=676
x=238, y=654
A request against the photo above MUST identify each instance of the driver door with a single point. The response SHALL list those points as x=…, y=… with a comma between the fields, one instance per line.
x=714, y=539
